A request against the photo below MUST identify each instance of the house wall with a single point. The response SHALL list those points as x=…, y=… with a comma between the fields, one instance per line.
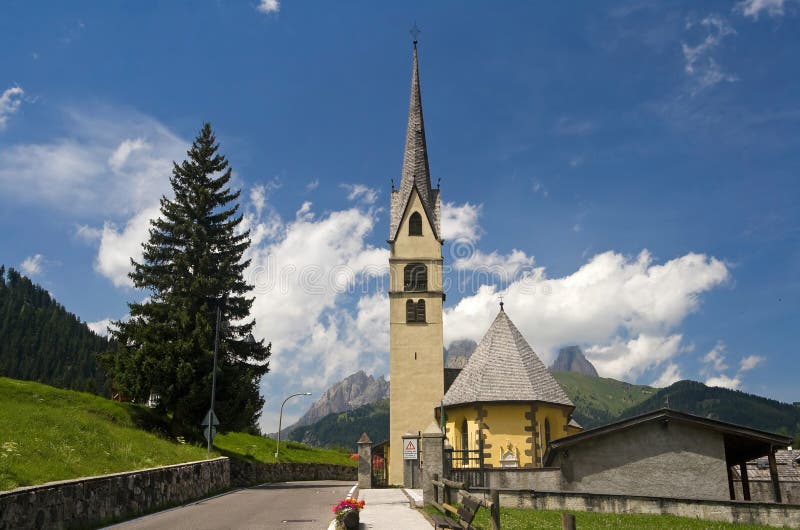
x=520, y=426
x=416, y=359
x=654, y=459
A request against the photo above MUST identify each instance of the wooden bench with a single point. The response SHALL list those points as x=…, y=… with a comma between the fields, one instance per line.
x=464, y=514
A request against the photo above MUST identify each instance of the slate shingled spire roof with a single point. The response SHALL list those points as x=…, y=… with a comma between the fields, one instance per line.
x=504, y=368
x=415, y=165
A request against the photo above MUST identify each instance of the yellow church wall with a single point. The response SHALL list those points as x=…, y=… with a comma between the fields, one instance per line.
x=416, y=349
x=507, y=423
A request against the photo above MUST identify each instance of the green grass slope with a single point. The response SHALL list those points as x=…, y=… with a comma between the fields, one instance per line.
x=600, y=400
x=260, y=449
x=49, y=434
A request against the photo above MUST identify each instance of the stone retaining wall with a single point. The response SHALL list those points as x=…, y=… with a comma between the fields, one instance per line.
x=726, y=511
x=90, y=501
x=252, y=473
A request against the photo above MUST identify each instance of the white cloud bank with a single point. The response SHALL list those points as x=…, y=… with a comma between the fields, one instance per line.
x=32, y=265
x=625, y=311
x=10, y=100
x=269, y=6
x=754, y=8
x=701, y=66
x=715, y=365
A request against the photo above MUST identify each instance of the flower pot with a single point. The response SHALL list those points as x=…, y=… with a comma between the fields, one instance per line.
x=350, y=520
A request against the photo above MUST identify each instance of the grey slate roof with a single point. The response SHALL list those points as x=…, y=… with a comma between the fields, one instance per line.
x=415, y=165
x=504, y=368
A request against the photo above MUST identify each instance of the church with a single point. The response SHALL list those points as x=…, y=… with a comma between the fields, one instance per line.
x=504, y=404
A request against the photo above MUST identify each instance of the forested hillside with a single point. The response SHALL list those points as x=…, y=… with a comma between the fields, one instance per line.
x=42, y=341
x=345, y=428
x=733, y=406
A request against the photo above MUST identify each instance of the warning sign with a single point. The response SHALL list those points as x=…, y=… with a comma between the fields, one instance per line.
x=410, y=449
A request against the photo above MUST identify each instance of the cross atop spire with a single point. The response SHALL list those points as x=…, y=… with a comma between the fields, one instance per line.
x=414, y=32
x=416, y=172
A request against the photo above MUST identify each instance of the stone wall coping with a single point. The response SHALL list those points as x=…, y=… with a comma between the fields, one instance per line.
x=96, y=478
x=715, y=502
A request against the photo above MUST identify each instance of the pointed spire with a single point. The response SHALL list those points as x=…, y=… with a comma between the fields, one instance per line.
x=416, y=171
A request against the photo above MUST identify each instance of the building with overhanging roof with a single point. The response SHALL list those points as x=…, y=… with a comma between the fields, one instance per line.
x=504, y=403
x=664, y=453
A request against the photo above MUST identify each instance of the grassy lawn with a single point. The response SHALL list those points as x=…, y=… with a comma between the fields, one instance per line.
x=260, y=449
x=49, y=434
x=518, y=519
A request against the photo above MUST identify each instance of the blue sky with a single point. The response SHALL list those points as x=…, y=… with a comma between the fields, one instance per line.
x=625, y=175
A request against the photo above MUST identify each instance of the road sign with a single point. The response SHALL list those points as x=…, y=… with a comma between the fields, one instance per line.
x=212, y=421
x=410, y=449
x=211, y=434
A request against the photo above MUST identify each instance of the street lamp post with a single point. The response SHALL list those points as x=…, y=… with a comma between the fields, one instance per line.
x=280, y=421
x=211, y=416
x=213, y=385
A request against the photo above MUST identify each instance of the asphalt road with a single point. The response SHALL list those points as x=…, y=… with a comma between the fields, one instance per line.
x=286, y=505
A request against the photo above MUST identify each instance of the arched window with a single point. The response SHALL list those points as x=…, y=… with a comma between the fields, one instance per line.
x=421, y=311
x=415, y=224
x=546, y=431
x=464, y=444
x=415, y=277
x=411, y=311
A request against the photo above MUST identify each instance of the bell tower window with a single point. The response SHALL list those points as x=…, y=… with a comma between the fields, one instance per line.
x=415, y=224
x=415, y=277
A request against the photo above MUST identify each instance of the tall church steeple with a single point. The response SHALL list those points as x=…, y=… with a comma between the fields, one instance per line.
x=416, y=171
x=416, y=297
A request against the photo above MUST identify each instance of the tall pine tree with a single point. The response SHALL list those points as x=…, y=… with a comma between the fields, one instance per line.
x=192, y=264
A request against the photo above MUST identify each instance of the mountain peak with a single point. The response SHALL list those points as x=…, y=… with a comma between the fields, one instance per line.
x=571, y=359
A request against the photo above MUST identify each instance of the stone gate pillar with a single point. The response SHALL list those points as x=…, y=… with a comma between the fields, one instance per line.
x=364, y=462
x=432, y=459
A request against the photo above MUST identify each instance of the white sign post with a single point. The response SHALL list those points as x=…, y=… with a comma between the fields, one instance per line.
x=410, y=450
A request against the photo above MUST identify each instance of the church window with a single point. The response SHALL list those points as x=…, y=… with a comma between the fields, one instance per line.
x=546, y=431
x=415, y=277
x=421, y=311
x=411, y=311
x=464, y=444
x=415, y=224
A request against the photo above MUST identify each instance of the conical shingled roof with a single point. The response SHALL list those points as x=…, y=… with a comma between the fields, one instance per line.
x=415, y=164
x=504, y=368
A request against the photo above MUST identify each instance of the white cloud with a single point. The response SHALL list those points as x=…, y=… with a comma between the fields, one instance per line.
x=10, y=100
x=624, y=310
x=460, y=222
x=483, y=267
x=360, y=192
x=753, y=8
x=671, y=374
x=716, y=358
x=701, y=66
x=715, y=364
x=269, y=6
x=119, y=246
x=100, y=327
x=750, y=362
x=111, y=164
x=312, y=185
x=539, y=188
x=32, y=265
x=724, y=381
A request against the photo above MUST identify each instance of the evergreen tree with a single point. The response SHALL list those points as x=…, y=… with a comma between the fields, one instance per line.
x=193, y=264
